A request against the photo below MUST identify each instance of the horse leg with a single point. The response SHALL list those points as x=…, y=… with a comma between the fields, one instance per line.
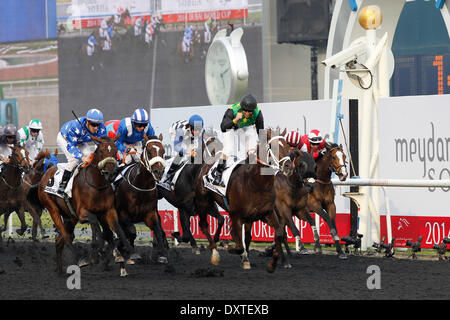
x=273, y=221
x=220, y=221
x=113, y=222
x=152, y=221
x=203, y=224
x=247, y=238
x=23, y=223
x=331, y=209
x=65, y=237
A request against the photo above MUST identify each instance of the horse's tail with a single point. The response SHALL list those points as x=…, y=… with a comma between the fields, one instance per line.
x=33, y=197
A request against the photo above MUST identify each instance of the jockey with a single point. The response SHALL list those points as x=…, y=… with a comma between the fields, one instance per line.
x=31, y=138
x=118, y=15
x=312, y=143
x=149, y=33
x=8, y=137
x=207, y=34
x=111, y=128
x=188, y=142
x=92, y=42
x=245, y=116
x=187, y=39
x=131, y=130
x=138, y=27
x=75, y=141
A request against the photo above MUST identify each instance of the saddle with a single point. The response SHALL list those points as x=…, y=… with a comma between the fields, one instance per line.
x=54, y=182
x=166, y=184
x=208, y=178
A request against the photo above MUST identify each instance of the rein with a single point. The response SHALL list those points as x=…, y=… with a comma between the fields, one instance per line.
x=133, y=186
x=149, y=162
x=331, y=167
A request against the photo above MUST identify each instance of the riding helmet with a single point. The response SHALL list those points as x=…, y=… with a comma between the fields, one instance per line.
x=315, y=137
x=196, y=120
x=10, y=130
x=248, y=103
x=140, y=116
x=35, y=124
x=94, y=115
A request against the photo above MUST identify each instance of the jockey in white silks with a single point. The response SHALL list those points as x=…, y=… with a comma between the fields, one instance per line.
x=187, y=39
x=31, y=138
x=138, y=27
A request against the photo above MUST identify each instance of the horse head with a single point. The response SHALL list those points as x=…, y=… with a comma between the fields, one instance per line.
x=152, y=157
x=304, y=167
x=19, y=158
x=278, y=153
x=105, y=156
x=336, y=160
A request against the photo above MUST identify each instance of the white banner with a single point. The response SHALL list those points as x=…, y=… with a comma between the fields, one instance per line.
x=178, y=6
x=95, y=8
x=414, y=138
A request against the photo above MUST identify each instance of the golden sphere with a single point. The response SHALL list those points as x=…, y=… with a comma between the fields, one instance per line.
x=370, y=17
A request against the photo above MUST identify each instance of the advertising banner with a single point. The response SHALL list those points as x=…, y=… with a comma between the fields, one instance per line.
x=415, y=144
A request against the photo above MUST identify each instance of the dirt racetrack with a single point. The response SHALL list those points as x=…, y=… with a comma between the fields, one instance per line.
x=27, y=272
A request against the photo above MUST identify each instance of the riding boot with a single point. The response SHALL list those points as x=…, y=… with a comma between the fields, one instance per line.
x=64, y=181
x=218, y=175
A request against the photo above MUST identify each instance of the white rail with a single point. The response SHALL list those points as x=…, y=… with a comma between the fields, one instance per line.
x=17, y=82
x=392, y=183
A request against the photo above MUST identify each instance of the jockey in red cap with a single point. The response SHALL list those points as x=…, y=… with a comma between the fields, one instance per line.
x=313, y=143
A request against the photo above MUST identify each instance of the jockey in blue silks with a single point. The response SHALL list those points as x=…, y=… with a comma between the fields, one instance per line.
x=188, y=142
x=75, y=141
x=131, y=130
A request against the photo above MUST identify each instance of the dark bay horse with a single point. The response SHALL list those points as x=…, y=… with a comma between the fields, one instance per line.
x=92, y=201
x=41, y=164
x=250, y=197
x=321, y=201
x=182, y=197
x=292, y=196
x=11, y=186
x=137, y=196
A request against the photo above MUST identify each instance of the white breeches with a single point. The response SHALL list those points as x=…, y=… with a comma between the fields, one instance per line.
x=246, y=136
x=186, y=45
x=85, y=148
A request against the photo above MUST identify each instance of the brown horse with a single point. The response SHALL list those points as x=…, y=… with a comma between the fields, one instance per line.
x=30, y=179
x=250, y=197
x=137, y=196
x=11, y=185
x=92, y=201
x=321, y=201
x=292, y=196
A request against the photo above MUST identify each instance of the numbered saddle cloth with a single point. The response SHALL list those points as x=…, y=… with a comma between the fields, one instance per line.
x=165, y=184
x=54, y=182
x=208, y=178
x=122, y=174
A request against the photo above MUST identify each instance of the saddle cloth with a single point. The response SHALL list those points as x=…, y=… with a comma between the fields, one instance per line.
x=208, y=178
x=122, y=174
x=54, y=182
x=166, y=185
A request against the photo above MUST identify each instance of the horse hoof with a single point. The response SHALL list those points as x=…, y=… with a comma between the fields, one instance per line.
x=135, y=256
x=288, y=266
x=130, y=261
x=196, y=251
x=215, y=257
x=270, y=268
x=123, y=272
x=246, y=265
x=342, y=256
x=83, y=263
x=163, y=260
x=304, y=251
x=20, y=232
x=119, y=259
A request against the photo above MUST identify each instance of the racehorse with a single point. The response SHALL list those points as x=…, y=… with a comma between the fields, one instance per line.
x=186, y=55
x=182, y=197
x=321, y=201
x=41, y=164
x=92, y=201
x=11, y=185
x=250, y=197
x=137, y=195
x=292, y=196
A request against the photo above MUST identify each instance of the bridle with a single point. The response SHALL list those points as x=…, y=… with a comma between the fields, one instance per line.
x=271, y=156
x=331, y=166
x=148, y=162
x=100, y=167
